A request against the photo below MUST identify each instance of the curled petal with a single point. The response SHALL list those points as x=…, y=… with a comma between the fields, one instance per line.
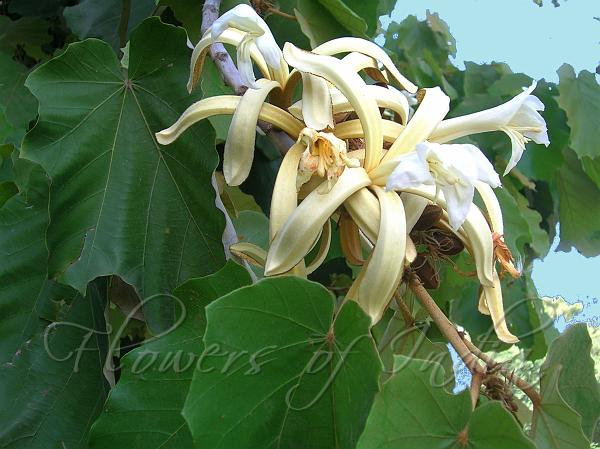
x=350, y=240
x=229, y=36
x=385, y=266
x=323, y=249
x=285, y=196
x=388, y=98
x=352, y=87
x=475, y=231
x=414, y=205
x=494, y=212
x=354, y=44
x=256, y=32
x=294, y=240
x=363, y=207
x=493, y=301
x=352, y=129
x=226, y=105
x=249, y=252
x=518, y=118
x=431, y=111
x=239, y=146
x=360, y=61
x=316, y=105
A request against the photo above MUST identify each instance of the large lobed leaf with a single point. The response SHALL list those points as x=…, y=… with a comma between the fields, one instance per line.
x=144, y=409
x=120, y=203
x=577, y=381
x=17, y=105
x=107, y=19
x=413, y=410
x=52, y=340
x=285, y=371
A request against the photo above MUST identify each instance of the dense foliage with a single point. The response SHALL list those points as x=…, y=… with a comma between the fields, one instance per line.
x=123, y=325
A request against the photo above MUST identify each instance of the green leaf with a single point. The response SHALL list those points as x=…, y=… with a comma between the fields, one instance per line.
x=412, y=37
x=189, y=13
x=522, y=224
x=52, y=341
x=480, y=77
x=121, y=204
x=413, y=410
x=579, y=97
x=318, y=23
x=144, y=409
x=23, y=273
x=367, y=11
x=437, y=25
x=45, y=8
x=577, y=380
x=16, y=102
x=6, y=163
x=212, y=85
x=413, y=343
x=285, y=29
x=252, y=227
x=7, y=191
x=578, y=208
x=346, y=16
x=29, y=33
x=104, y=18
x=284, y=372
x=555, y=425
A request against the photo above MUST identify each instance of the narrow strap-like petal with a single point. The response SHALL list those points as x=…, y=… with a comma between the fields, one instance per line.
x=239, y=146
x=230, y=36
x=285, y=196
x=363, y=207
x=431, y=111
x=493, y=299
x=226, y=105
x=323, y=249
x=317, y=110
x=350, y=44
x=477, y=231
x=360, y=61
x=386, y=264
x=350, y=239
x=352, y=87
x=294, y=240
x=492, y=206
x=352, y=129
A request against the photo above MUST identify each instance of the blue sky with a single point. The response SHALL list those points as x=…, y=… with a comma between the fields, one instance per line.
x=535, y=41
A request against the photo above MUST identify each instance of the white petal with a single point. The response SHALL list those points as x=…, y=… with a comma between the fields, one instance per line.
x=485, y=170
x=269, y=49
x=244, y=63
x=458, y=198
x=412, y=171
x=243, y=17
x=317, y=110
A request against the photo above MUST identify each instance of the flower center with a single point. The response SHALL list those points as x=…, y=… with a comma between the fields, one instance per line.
x=325, y=155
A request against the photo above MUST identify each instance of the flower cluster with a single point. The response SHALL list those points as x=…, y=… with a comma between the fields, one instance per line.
x=374, y=172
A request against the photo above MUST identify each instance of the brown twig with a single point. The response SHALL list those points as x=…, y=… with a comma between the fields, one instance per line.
x=524, y=386
x=217, y=52
x=445, y=326
x=467, y=351
x=404, y=310
x=476, y=382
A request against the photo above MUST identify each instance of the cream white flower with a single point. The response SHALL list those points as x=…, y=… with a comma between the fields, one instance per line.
x=454, y=169
x=518, y=118
x=244, y=18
